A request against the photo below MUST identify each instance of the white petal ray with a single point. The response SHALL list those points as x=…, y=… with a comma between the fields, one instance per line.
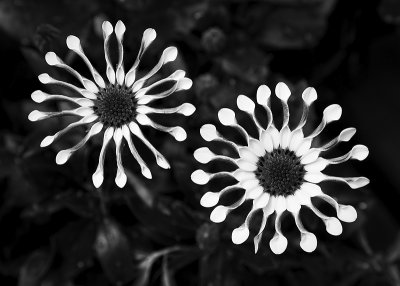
x=98, y=175
x=40, y=96
x=263, y=98
x=107, y=31
x=186, y=109
x=262, y=201
x=332, y=224
x=180, y=82
x=309, y=96
x=344, y=136
x=119, y=33
x=220, y=212
x=332, y=113
x=204, y=155
x=344, y=212
x=63, y=156
x=227, y=117
x=278, y=243
x=120, y=178
x=257, y=147
x=285, y=137
x=245, y=104
x=296, y=140
x=168, y=55
x=353, y=182
x=248, y=155
x=308, y=241
x=201, y=178
x=358, y=152
x=50, y=139
x=160, y=159
x=177, y=132
x=282, y=91
x=266, y=140
x=53, y=60
x=210, y=199
x=46, y=79
x=241, y=233
x=267, y=211
x=36, y=115
x=74, y=44
x=143, y=166
x=209, y=133
x=148, y=37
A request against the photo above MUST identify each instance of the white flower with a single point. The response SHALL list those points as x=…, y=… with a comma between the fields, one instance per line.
x=116, y=107
x=279, y=170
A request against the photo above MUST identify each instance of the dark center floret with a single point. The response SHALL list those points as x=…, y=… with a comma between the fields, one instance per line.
x=280, y=172
x=115, y=106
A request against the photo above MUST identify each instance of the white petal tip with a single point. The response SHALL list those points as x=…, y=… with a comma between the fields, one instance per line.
x=358, y=182
x=38, y=96
x=162, y=162
x=179, y=133
x=347, y=213
x=347, y=134
x=209, y=199
x=97, y=179
x=187, y=109
x=282, y=91
x=44, y=78
x=309, y=95
x=185, y=83
x=332, y=113
x=146, y=173
x=35, y=115
x=308, y=242
x=107, y=28
x=208, y=132
x=263, y=94
x=149, y=36
x=51, y=59
x=73, y=42
x=47, y=141
x=203, y=155
x=120, y=180
x=219, y=214
x=226, y=116
x=120, y=29
x=63, y=156
x=170, y=54
x=333, y=226
x=240, y=235
x=359, y=152
x=278, y=244
x=245, y=104
x=200, y=177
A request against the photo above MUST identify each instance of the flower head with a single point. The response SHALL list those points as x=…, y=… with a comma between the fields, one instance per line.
x=279, y=170
x=116, y=107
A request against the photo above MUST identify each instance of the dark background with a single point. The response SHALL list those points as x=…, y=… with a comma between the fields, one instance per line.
x=56, y=229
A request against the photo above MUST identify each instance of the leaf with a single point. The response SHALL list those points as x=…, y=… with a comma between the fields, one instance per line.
x=389, y=10
x=167, y=279
x=74, y=243
x=35, y=267
x=115, y=253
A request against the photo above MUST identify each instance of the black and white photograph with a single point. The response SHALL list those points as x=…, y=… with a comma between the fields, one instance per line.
x=199, y=143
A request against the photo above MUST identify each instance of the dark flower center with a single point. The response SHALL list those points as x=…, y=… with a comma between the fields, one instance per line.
x=115, y=106
x=280, y=172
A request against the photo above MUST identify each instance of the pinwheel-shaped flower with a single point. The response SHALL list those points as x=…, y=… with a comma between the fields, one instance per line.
x=116, y=107
x=279, y=171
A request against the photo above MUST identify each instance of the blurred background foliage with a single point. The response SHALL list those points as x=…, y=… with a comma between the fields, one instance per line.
x=56, y=229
